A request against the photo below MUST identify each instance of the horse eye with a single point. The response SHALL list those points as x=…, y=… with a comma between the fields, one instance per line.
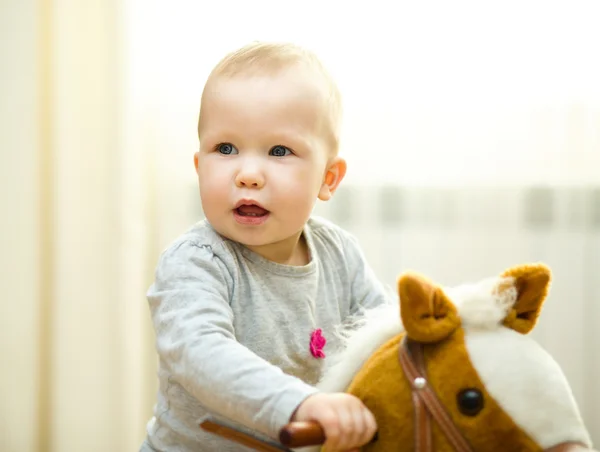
x=470, y=401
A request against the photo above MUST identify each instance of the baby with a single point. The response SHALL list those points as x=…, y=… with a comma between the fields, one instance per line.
x=246, y=302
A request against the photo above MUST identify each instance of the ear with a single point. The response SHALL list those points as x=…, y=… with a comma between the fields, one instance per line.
x=532, y=282
x=336, y=170
x=427, y=313
x=196, y=156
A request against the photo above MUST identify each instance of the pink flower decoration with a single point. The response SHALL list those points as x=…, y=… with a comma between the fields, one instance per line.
x=317, y=342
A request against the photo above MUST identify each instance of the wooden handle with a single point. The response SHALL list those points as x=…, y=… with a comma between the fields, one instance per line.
x=302, y=434
x=237, y=436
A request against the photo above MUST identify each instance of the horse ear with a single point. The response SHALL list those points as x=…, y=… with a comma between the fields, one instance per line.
x=427, y=314
x=532, y=282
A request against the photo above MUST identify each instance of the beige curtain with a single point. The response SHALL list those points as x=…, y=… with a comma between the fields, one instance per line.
x=77, y=231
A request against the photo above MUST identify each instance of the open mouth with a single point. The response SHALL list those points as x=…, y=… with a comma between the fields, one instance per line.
x=251, y=210
x=250, y=213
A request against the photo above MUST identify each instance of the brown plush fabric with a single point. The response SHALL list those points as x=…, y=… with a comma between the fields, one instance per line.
x=427, y=314
x=429, y=317
x=532, y=282
x=382, y=386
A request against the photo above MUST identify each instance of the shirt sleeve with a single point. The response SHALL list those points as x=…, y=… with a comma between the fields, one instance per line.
x=367, y=290
x=196, y=342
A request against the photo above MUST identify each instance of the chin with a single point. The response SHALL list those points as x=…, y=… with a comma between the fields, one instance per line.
x=257, y=240
x=246, y=237
x=239, y=238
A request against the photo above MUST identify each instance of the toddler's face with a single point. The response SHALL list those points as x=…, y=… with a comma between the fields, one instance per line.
x=263, y=156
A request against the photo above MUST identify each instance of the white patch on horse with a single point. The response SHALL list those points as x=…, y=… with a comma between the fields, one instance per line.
x=528, y=384
x=360, y=341
x=485, y=304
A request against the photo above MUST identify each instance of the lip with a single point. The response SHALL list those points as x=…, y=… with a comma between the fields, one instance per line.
x=250, y=221
x=248, y=202
x=246, y=220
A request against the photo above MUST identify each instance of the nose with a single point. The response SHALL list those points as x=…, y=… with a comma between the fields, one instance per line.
x=250, y=176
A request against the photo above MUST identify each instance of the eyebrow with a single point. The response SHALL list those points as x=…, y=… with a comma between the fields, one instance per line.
x=221, y=136
x=280, y=138
x=294, y=139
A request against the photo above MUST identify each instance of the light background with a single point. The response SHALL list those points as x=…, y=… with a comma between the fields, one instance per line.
x=472, y=133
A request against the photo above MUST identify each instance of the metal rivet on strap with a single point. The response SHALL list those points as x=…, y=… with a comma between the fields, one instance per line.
x=419, y=382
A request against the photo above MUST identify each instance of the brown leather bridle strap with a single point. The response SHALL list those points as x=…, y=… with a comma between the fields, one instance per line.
x=423, y=435
x=412, y=361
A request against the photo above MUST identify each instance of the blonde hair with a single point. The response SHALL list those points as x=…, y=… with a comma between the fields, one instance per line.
x=269, y=58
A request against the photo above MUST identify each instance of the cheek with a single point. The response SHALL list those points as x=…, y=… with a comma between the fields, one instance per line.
x=305, y=178
x=212, y=183
x=297, y=189
x=210, y=173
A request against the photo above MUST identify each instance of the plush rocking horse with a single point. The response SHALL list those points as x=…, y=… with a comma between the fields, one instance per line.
x=453, y=369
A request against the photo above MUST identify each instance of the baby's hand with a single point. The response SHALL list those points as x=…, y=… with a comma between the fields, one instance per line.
x=347, y=422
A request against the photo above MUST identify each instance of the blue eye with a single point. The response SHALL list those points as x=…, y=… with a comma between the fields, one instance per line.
x=279, y=151
x=226, y=148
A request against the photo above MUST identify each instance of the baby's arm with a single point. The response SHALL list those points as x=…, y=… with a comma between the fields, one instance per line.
x=196, y=342
x=367, y=291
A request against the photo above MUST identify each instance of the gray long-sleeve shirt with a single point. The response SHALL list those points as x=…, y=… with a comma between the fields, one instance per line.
x=233, y=330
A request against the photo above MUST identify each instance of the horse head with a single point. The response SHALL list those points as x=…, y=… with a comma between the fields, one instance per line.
x=455, y=369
